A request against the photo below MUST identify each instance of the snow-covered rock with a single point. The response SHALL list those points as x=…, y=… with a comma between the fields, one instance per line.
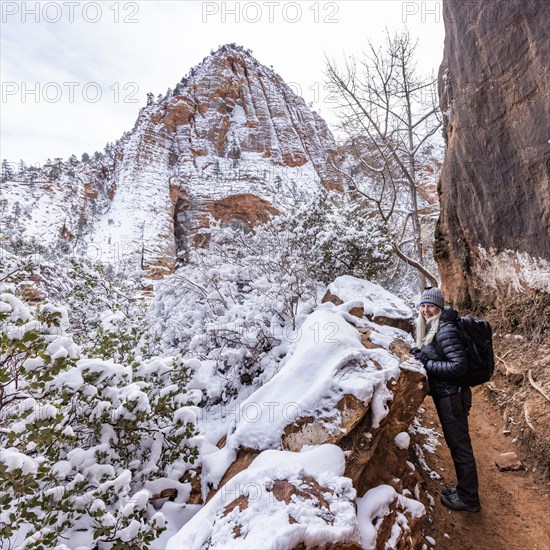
x=281, y=500
x=330, y=425
x=378, y=304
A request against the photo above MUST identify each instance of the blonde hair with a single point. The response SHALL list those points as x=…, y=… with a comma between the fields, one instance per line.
x=421, y=337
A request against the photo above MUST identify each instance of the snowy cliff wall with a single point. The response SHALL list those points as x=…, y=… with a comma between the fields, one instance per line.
x=493, y=238
x=231, y=140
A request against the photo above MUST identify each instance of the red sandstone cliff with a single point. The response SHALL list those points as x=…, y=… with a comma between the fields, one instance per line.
x=493, y=236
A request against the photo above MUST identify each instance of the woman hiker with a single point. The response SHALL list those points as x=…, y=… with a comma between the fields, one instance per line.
x=441, y=350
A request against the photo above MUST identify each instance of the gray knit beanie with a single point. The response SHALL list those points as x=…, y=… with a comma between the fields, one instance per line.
x=433, y=296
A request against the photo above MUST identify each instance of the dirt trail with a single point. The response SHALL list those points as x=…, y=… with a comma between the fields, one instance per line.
x=515, y=511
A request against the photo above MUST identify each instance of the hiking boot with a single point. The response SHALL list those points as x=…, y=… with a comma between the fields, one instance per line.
x=452, y=501
x=448, y=491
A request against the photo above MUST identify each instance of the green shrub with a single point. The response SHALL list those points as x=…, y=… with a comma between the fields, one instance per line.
x=82, y=437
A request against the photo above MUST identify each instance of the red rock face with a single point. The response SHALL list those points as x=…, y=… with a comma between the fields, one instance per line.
x=247, y=209
x=227, y=141
x=233, y=103
x=493, y=236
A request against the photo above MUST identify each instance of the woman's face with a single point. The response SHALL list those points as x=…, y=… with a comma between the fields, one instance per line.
x=428, y=311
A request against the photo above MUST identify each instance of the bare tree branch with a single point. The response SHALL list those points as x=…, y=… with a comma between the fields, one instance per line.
x=430, y=276
x=390, y=114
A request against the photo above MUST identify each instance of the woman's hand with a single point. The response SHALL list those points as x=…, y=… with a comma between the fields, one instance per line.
x=419, y=355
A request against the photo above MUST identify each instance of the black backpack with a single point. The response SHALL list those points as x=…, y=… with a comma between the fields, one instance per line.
x=477, y=336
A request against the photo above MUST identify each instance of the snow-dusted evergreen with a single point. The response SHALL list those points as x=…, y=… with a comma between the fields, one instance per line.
x=85, y=441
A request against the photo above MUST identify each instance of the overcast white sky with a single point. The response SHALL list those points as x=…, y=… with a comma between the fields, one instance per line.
x=75, y=74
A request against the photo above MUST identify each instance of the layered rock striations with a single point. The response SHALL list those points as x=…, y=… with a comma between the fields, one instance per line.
x=231, y=140
x=493, y=236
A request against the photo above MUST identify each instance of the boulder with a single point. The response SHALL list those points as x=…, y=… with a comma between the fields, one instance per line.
x=509, y=461
x=327, y=432
x=378, y=305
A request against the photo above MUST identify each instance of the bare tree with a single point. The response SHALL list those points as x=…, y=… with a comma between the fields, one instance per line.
x=389, y=116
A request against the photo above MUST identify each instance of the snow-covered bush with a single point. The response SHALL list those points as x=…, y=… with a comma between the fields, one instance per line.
x=229, y=314
x=107, y=317
x=335, y=236
x=84, y=441
x=236, y=304
x=105, y=308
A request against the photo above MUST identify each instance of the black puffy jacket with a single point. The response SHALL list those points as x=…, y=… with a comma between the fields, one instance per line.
x=446, y=360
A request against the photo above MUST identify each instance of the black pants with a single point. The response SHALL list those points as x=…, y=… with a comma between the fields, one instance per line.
x=453, y=415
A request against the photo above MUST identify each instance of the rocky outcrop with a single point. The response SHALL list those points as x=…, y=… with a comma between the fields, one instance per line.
x=318, y=456
x=492, y=239
x=228, y=141
x=382, y=307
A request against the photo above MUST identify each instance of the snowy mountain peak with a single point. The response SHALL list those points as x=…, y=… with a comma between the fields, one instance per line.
x=232, y=140
x=225, y=53
x=231, y=49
